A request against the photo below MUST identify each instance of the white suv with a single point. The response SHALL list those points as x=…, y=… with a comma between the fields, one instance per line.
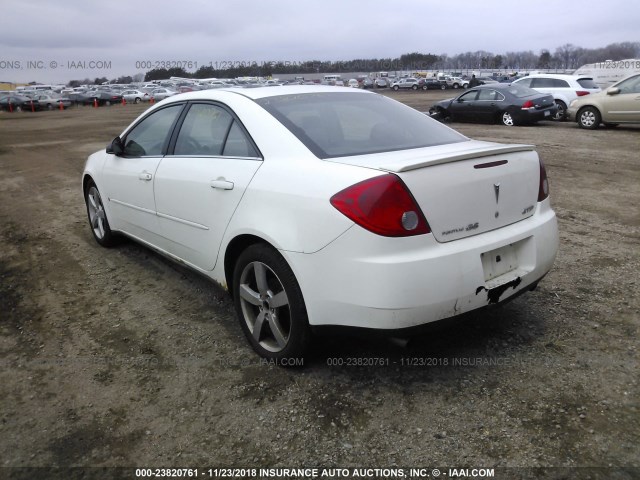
x=457, y=82
x=564, y=88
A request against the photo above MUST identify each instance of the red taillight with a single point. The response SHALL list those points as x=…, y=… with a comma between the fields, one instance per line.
x=543, y=189
x=527, y=105
x=581, y=93
x=383, y=205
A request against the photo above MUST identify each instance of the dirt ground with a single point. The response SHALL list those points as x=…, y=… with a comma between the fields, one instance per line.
x=117, y=357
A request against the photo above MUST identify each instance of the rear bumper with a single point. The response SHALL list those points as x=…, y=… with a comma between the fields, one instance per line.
x=530, y=116
x=367, y=281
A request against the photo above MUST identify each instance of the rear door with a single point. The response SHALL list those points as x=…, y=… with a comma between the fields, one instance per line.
x=199, y=185
x=488, y=103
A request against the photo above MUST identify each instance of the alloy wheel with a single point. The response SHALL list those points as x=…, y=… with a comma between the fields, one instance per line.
x=265, y=306
x=97, y=217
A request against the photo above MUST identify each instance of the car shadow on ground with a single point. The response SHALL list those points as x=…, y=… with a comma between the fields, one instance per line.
x=490, y=337
x=488, y=331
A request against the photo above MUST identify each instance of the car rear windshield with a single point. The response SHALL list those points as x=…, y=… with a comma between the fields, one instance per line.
x=344, y=124
x=520, y=91
x=587, y=83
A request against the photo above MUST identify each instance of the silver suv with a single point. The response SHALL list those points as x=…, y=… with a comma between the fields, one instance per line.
x=405, y=83
x=564, y=88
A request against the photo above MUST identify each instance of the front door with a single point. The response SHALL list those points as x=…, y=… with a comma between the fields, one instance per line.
x=128, y=179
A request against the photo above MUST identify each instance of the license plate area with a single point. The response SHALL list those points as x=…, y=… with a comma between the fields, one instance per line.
x=499, y=261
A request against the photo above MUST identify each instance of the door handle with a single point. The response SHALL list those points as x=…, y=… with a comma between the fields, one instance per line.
x=222, y=184
x=146, y=176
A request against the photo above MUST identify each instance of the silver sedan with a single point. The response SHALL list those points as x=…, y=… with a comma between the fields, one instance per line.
x=135, y=96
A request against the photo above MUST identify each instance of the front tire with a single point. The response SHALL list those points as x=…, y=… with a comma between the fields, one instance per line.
x=269, y=304
x=589, y=118
x=396, y=88
x=98, y=217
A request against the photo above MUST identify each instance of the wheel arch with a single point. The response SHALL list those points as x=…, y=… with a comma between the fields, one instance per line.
x=86, y=179
x=581, y=109
x=234, y=249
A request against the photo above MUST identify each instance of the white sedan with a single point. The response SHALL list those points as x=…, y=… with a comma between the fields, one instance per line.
x=162, y=93
x=323, y=206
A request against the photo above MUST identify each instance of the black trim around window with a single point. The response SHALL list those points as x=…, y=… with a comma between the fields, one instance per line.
x=167, y=138
x=180, y=121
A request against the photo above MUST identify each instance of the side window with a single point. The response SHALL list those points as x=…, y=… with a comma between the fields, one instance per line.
x=203, y=131
x=209, y=130
x=542, y=83
x=486, y=94
x=526, y=82
x=558, y=83
x=469, y=96
x=631, y=85
x=238, y=145
x=148, y=137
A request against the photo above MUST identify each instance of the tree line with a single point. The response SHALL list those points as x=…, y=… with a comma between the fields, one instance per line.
x=565, y=57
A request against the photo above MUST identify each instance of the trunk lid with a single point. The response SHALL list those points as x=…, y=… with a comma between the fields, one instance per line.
x=466, y=188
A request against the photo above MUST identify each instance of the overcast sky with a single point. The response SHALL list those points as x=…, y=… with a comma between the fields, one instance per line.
x=118, y=33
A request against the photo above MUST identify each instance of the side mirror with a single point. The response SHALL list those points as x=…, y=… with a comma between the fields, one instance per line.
x=115, y=147
x=613, y=91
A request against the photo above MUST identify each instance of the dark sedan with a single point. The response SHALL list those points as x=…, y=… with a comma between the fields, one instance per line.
x=102, y=98
x=18, y=103
x=506, y=104
x=431, y=84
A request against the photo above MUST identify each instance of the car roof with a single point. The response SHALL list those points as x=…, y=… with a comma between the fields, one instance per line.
x=256, y=93
x=556, y=75
x=494, y=86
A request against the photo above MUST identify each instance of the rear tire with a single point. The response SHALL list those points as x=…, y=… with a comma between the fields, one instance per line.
x=506, y=119
x=589, y=118
x=137, y=100
x=414, y=87
x=270, y=305
x=561, y=114
x=107, y=103
x=443, y=87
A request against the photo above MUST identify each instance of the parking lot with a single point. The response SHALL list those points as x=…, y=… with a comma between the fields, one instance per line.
x=119, y=357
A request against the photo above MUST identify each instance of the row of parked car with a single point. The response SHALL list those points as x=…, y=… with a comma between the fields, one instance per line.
x=524, y=100
x=544, y=97
x=406, y=83
x=110, y=94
